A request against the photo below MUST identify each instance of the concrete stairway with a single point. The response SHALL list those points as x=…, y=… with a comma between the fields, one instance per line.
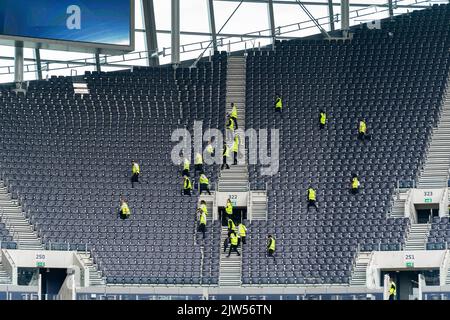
x=230, y=267
x=80, y=88
x=398, y=209
x=358, y=277
x=95, y=276
x=258, y=205
x=417, y=236
x=236, y=86
x=234, y=179
x=19, y=227
x=4, y=276
x=436, y=169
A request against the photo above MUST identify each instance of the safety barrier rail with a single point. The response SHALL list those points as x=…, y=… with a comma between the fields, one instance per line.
x=222, y=42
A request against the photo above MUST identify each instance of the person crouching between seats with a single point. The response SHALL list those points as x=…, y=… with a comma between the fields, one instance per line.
x=124, y=211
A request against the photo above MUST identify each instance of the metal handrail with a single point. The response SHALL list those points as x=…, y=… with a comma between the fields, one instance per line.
x=220, y=42
x=355, y=257
x=443, y=199
x=372, y=254
x=10, y=260
x=201, y=265
x=444, y=262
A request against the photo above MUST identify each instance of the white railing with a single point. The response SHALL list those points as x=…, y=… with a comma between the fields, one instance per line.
x=12, y=268
x=355, y=258
x=222, y=42
x=83, y=270
x=67, y=291
x=408, y=204
x=443, y=270
x=249, y=204
x=443, y=204
x=215, y=209
x=201, y=264
x=369, y=270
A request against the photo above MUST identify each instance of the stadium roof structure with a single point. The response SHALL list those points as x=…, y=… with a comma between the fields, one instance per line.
x=203, y=26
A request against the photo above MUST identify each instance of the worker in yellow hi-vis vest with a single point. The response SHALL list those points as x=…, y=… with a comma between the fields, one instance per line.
x=312, y=198
x=198, y=163
x=228, y=209
x=233, y=243
x=242, y=233
x=278, y=103
x=231, y=124
x=392, y=290
x=210, y=148
x=231, y=225
x=362, y=129
x=236, y=148
x=270, y=245
x=135, y=171
x=186, y=167
x=124, y=211
x=234, y=115
x=355, y=184
x=187, y=186
x=225, y=154
x=322, y=119
x=204, y=184
x=202, y=221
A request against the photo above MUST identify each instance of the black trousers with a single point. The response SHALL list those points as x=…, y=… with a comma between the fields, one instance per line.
x=235, y=157
x=230, y=231
x=321, y=125
x=361, y=136
x=185, y=173
x=270, y=252
x=241, y=239
x=202, y=229
x=237, y=216
x=123, y=216
x=224, y=163
x=233, y=248
x=222, y=217
x=134, y=178
x=312, y=203
x=355, y=190
x=277, y=109
x=199, y=167
x=391, y=297
x=235, y=123
x=204, y=187
x=187, y=192
x=225, y=245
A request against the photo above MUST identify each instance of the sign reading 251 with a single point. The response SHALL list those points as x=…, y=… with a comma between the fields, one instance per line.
x=409, y=260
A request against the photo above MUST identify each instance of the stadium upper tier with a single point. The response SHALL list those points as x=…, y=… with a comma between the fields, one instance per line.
x=394, y=78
